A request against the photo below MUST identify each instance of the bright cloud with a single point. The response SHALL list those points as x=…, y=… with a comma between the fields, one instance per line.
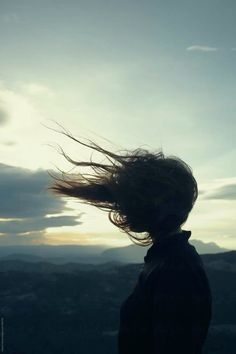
x=36, y=89
x=24, y=118
x=17, y=106
x=202, y=48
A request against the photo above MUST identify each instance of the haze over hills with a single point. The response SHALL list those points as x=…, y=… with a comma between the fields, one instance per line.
x=52, y=250
x=135, y=254
x=54, y=254
x=224, y=261
x=61, y=254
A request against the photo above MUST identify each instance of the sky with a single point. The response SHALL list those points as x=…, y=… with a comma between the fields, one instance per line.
x=126, y=74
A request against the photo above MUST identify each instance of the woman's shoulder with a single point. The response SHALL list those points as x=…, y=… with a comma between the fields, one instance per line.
x=183, y=268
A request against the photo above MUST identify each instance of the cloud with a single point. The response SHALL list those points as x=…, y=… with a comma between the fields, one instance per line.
x=22, y=193
x=36, y=89
x=36, y=224
x=26, y=203
x=202, y=48
x=233, y=49
x=201, y=192
x=23, y=121
x=14, y=105
x=3, y=116
x=227, y=192
x=4, y=108
x=26, y=239
x=9, y=143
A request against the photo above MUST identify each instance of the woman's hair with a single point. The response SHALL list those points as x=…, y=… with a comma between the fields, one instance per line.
x=143, y=192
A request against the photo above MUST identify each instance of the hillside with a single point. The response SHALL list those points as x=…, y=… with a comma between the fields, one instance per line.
x=74, y=308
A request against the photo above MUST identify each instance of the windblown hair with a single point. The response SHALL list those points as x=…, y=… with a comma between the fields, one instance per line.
x=143, y=192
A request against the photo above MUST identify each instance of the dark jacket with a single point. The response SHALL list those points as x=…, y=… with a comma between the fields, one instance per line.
x=170, y=308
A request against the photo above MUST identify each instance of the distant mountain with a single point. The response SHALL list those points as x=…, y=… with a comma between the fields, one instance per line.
x=58, y=254
x=52, y=250
x=22, y=257
x=207, y=247
x=67, y=258
x=15, y=265
x=62, y=254
x=224, y=261
x=135, y=254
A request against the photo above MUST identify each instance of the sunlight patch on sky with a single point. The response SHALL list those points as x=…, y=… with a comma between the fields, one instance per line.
x=86, y=238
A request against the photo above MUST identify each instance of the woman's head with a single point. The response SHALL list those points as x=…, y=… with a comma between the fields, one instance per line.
x=143, y=192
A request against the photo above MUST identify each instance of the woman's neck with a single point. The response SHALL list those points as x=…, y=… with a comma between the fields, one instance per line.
x=176, y=231
x=168, y=234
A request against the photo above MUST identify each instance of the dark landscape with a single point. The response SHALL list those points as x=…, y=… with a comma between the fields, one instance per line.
x=73, y=308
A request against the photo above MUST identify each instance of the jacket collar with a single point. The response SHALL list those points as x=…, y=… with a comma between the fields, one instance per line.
x=166, y=242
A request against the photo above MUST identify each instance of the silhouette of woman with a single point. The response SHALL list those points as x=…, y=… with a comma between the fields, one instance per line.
x=149, y=196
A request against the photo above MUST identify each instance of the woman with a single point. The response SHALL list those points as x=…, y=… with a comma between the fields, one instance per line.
x=149, y=196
